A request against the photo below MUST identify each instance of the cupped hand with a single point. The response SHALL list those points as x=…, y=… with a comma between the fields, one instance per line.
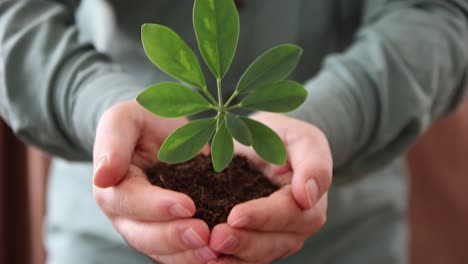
x=265, y=229
x=153, y=220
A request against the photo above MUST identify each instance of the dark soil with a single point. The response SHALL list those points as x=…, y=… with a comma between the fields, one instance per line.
x=214, y=194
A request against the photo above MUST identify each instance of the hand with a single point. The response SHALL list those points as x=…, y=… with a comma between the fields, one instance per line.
x=153, y=220
x=265, y=229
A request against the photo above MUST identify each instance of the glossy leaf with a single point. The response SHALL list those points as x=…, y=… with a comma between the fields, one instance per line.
x=280, y=97
x=216, y=24
x=171, y=54
x=239, y=130
x=168, y=99
x=266, y=142
x=187, y=141
x=274, y=65
x=222, y=148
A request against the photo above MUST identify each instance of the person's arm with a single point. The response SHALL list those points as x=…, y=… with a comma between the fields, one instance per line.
x=53, y=89
x=405, y=69
x=53, y=93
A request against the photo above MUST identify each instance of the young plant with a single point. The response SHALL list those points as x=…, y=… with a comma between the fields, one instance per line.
x=262, y=87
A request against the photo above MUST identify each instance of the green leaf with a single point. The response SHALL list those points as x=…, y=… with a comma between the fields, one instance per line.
x=216, y=25
x=222, y=148
x=266, y=142
x=187, y=141
x=171, y=54
x=280, y=97
x=239, y=130
x=168, y=99
x=274, y=65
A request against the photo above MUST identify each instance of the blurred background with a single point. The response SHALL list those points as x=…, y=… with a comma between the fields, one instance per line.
x=438, y=202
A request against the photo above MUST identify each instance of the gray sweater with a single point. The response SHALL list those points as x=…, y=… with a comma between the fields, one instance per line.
x=378, y=74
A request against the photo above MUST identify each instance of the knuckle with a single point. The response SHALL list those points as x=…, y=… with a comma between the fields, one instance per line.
x=134, y=172
x=102, y=198
x=172, y=237
x=323, y=177
x=288, y=243
x=282, y=248
x=318, y=134
x=187, y=257
x=122, y=204
x=131, y=238
x=298, y=247
x=316, y=225
x=290, y=222
x=321, y=221
x=112, y=202
x=270, y=252
x=269, y=220
x=99, y=197
x=157, y=258
x=167, y=259
x=244, y=249
x=294, y=250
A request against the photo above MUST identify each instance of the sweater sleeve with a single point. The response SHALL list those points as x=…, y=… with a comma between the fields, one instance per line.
x=405, y=69
x=54, y=89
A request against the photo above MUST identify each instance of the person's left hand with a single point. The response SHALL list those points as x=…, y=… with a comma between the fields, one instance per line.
x=265, y=229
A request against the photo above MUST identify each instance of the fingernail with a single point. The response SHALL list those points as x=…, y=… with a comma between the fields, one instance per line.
x=242, y=222
x=229, y=244
x=312, y=192
x=191, y=238
x=102, y=161
x=205, y=253
x=179, y=211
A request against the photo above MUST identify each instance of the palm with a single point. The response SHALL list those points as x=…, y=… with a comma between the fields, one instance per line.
x=153, y=220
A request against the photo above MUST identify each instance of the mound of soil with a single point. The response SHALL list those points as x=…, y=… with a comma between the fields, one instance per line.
x=214, y=194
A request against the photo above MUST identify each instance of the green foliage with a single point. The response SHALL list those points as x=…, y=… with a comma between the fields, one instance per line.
x=280, y=97
x=239, y=130
x=266, y=142
x=216, y=24
x=168, y=99
x=273, y=65
x=187, y=141
x=222, y=148
x=263, y=87
x=171, y=54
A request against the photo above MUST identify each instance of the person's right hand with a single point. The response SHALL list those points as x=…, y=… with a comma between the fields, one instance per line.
x=153, y=220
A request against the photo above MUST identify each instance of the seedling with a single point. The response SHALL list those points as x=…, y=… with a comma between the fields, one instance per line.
x=262, y=87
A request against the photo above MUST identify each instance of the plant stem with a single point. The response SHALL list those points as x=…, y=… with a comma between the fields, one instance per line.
x=220, y=93
x=218, y=124
x=219, y=120
x=239, y=105
x=233, y=96
x=214, y=107
x=219, y=117
x=208, y=94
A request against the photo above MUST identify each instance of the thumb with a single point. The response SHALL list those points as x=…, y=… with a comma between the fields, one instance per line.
x=116, y=137
x=311, y=163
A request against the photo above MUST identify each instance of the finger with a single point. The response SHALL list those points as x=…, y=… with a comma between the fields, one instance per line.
x=163, y=238
x=197, y=256
x=278, y=175
x=251, y=246
x=113, y=149
x=262, y=214
x=134, y=197
x=311, y=162
x=206, y=150
x=229, y=260
x=309, y=158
